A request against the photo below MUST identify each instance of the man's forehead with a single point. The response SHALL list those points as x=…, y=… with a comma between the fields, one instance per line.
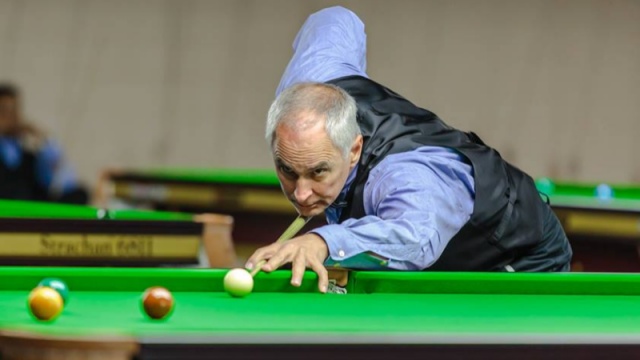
x=308, y=148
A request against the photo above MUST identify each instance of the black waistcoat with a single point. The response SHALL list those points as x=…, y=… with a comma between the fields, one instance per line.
x=20, y=183
x=507, y=219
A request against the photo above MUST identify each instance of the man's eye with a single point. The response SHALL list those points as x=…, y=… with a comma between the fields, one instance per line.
x=319, y=171
x=286, y=170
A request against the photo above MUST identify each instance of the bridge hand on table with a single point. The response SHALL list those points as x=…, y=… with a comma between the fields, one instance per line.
x=306, y=251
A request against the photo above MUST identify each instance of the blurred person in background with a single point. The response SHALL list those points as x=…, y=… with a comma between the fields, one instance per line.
x=32, y=166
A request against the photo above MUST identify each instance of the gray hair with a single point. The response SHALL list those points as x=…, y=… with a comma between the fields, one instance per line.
x=319, y=98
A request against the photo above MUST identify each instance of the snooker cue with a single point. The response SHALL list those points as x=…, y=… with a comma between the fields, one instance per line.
x=291, y=231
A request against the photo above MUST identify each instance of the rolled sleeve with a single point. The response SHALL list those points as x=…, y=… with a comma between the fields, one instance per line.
x=331, y=44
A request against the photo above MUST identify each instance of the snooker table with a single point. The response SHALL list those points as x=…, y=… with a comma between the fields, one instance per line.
x=37, y=233
x=383, y=314
x=602, y=222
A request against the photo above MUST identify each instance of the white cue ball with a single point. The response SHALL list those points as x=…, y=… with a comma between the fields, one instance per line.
x=238, y=282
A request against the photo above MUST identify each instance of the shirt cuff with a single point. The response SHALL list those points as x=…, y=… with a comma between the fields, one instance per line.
x=344, y=250
x=337, y=239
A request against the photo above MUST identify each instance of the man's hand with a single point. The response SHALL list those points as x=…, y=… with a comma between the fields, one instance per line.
x=306, y=251
x=32, y=137
x=25, y=128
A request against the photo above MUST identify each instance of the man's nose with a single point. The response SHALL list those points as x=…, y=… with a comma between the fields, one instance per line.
x=303, y=191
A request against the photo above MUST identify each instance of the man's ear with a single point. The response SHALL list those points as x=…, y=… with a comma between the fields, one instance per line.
x=356, y=150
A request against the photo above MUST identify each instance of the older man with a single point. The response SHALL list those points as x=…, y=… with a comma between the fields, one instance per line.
x=393, y=179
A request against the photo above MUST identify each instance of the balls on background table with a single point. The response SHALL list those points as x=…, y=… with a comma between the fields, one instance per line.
x=545, y=185
x=157, y=302
x=238, y=282
x=45, y=303
x=604, y=192
x=57, y=285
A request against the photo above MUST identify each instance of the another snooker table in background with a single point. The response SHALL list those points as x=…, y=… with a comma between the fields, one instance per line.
x=382, y=315
x=253, y=198
x=604, y=230
x=602, y=222
x=38, y=233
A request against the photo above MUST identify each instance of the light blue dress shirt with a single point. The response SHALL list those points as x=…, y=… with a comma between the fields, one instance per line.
x=414, y=202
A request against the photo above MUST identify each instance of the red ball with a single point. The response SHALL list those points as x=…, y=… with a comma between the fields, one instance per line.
x=157, y=302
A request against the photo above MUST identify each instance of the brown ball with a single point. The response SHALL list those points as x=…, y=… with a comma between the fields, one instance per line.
x=157, y=302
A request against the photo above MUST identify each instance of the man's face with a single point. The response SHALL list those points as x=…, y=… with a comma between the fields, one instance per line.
x=8, y=114
x=311, y=169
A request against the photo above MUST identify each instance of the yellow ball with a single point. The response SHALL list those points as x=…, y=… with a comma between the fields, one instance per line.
x=238, y=283
x=45, y=303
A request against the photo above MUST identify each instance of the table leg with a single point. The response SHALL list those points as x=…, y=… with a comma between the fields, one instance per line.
x=217, y=240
